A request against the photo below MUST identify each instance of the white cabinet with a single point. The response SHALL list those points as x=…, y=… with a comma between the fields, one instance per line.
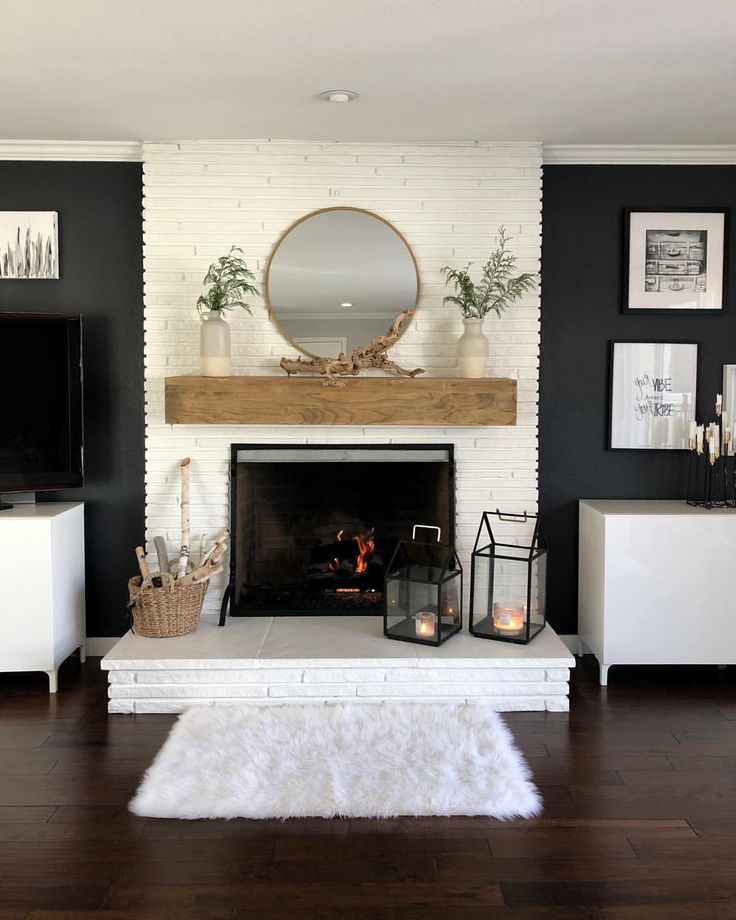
x=657, y=583
x=41, y=586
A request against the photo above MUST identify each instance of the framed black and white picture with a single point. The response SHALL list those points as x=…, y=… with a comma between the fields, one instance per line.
x=29, y=244
x=653, y=392
x=675, y=261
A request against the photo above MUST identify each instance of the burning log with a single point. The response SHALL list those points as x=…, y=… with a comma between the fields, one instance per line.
x=338, y=551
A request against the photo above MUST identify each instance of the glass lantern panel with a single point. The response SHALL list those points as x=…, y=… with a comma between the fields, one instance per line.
x=537, y=612
x=412, y=608
x=449, y=603
x=509, y=601
x=516, y=552
x=481, y=603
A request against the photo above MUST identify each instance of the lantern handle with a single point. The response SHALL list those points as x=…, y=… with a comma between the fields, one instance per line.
x=425, y=527
x=511, y=516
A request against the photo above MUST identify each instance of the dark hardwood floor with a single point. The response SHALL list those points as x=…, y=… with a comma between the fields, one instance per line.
x=639, y=784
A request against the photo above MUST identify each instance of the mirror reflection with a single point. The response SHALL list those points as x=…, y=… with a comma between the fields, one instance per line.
x=337, y=279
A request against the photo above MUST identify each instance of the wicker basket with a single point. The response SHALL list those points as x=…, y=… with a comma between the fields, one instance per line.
x=160, y=613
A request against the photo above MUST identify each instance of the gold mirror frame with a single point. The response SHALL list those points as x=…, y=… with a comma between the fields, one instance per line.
x=266, y=294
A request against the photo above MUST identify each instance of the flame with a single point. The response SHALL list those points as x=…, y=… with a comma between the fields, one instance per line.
x=366, y=545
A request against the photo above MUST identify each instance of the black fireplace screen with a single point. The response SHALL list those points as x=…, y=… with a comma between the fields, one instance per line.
x=313, y=527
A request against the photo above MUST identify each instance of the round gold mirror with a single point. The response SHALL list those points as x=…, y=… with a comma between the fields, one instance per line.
x=337, y=278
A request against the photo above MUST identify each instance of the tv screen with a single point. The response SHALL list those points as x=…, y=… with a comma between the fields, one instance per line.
x=40, y=402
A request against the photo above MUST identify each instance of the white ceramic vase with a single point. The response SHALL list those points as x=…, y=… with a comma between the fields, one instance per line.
x=472, y=350
x=214, y=338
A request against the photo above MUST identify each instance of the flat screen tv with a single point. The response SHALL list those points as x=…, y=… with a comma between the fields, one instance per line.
x=41, y=444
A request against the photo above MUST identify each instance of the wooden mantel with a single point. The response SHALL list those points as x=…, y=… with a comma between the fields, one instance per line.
x=436, y=401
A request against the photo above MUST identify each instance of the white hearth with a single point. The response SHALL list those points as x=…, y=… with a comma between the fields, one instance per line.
x=270, y=660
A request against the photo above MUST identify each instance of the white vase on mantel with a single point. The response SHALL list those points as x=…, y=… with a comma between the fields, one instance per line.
x=214, y=338
x=472, y=350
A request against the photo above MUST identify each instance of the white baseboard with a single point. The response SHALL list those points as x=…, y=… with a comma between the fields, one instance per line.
x=99, y=646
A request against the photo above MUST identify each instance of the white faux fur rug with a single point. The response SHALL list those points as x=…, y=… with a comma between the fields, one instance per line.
x=343, y=759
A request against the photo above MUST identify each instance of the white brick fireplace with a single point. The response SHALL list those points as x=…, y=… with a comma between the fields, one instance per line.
x=447, y=199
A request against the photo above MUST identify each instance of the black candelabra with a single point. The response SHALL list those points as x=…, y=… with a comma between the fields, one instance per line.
x=711, y=481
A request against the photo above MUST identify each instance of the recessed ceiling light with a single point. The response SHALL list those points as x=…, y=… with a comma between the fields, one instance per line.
x=339, y=95
x=346, y=304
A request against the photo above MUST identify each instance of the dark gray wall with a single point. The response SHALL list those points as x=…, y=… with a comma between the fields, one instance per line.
x=581, y=313
x=100, y=243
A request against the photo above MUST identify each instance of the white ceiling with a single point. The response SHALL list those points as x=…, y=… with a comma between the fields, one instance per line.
x=556, y=71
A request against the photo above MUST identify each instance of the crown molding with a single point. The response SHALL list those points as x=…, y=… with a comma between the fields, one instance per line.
x=95, y=151
x=639, y=154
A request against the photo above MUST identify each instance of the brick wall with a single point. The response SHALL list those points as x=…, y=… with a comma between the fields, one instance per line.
x=447, y=199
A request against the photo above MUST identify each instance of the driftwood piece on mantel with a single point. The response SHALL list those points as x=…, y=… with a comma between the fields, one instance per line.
x=435, y=401
x=372, y=355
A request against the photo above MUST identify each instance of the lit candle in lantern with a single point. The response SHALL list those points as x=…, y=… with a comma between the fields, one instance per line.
x=425, y=624
x=508, y=618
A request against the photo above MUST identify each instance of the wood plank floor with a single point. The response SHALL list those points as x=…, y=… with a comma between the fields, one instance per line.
x=639, y=783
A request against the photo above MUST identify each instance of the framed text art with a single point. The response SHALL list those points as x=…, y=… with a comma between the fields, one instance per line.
x=675, y=261
x=653, y=391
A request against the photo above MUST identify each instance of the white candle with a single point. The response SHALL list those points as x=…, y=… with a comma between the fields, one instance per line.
x=508, y=618
x=425, y=624
x=691, y=435
x=719, y=403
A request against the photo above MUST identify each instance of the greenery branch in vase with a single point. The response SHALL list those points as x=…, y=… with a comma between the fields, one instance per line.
x=230, y=282
x=497, y=288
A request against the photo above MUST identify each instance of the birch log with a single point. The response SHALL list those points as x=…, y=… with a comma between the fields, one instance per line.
x=140, y=555
x=215, y=548
x=184, y=552
x=204, y=573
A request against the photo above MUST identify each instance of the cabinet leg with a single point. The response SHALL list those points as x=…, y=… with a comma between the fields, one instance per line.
x=83, y=652
x=53, y=681
x=604, y=674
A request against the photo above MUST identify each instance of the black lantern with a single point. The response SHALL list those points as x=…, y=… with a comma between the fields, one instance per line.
x=423, y=592
x=508, y=579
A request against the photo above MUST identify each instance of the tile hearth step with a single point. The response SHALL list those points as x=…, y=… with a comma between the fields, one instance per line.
x=263, y=661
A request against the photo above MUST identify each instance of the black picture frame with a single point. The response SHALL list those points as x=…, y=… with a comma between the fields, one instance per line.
x=673, y=310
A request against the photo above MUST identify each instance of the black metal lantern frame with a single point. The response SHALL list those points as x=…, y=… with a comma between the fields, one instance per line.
x=423, y=592
x=508, y=582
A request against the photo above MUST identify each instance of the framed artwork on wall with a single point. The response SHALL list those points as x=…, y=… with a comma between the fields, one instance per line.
x=653, y=392
x=29, y=244
x=729, y=391
x=675, y=261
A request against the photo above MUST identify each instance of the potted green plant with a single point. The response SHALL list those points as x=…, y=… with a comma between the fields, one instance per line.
x=495, y=291
x=230, y=283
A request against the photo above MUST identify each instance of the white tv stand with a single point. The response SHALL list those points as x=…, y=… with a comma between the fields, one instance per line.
x=657, y=583
x=42, y=576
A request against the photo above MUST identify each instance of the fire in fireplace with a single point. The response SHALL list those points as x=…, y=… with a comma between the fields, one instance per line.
x=314, y=527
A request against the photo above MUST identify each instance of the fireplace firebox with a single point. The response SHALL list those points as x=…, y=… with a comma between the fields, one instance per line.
x=314, y=527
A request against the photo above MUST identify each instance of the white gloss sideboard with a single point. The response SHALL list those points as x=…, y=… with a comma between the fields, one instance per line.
x=657, y=583
x=42, y=617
